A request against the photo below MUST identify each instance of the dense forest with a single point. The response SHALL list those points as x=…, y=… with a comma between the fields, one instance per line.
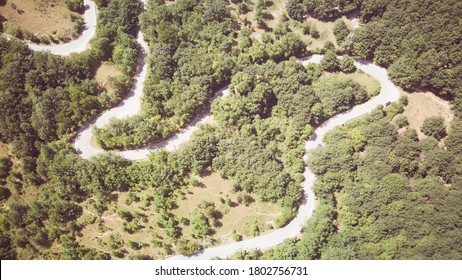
x=261, y=131
x=383, y=193
x=418, y=41
x=195, y=48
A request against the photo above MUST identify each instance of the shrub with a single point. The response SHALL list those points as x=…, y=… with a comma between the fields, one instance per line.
x=75, y=5
x=434, y=126
x=401, y=121
x=347, y=64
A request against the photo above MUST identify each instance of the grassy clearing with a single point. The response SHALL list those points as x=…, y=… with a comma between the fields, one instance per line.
x=105, y=72
x=372, y=85
x=423, y=105
x=235, y=217
x=274, y=15
x=98, y=230
x=39, y=17
x=4, y=149
x=325, y=29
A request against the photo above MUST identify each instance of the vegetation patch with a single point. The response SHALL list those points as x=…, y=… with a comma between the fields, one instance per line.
x=371, y=85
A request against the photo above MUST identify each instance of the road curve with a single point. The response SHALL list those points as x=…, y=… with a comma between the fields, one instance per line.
x=79, y=44
x=132, y=103
x=131, y=106
x=388, y=92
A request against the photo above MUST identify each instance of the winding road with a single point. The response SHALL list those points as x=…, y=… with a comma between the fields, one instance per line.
x=131, y=106
x=79, y=44
x=388, y=93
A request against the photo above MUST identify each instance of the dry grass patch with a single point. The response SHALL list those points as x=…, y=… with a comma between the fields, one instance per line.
x=235, y=217
x=106, y=71
x=423, y=105
x=4, y=149
x=40, y=17
x=273, y=15
x=326, y=33
x=99, y=230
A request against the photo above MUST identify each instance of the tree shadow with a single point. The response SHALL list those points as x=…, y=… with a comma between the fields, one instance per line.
x=200, y=185
x=113, y=197
x=205, y=172
x=267, y=16
x=265, y=27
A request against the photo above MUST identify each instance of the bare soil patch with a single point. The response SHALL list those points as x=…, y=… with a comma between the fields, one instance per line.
x=3, y=149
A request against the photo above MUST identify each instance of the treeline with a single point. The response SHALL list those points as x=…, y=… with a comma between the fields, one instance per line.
x=384, y=194
x=418, y=41
x=195, y=49
x=115, y=40
x=32, y=225
x=42, y=98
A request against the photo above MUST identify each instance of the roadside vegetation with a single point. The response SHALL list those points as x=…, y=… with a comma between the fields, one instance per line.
x=195, y=49
x=380, y=188
x=418, y=41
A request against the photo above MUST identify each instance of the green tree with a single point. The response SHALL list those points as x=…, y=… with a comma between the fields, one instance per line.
x=5, y=167
x=199, y=225
x=295, y=9
x=314, y=31
x=330, y=62
x=5, y=193
x=340, y=31
x=216, y=10
x=187, y=247
x=346, y=64
x=434, y=126
x=74, y=5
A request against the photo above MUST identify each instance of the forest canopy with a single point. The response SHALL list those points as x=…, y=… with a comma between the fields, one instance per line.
x=419, y=41
x=383, y=195
x=383, y=192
